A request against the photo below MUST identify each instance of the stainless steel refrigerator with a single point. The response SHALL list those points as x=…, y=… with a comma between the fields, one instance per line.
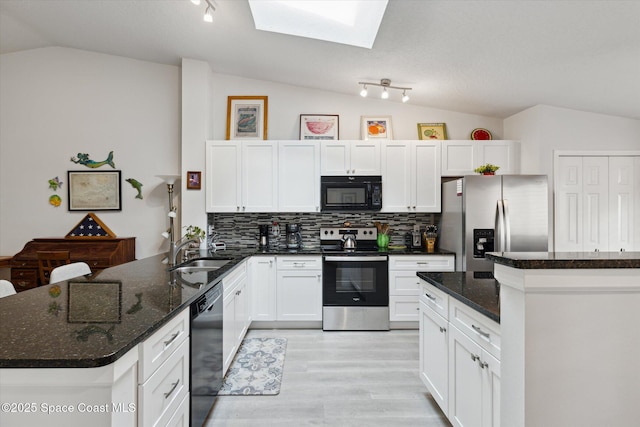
x=499, y=213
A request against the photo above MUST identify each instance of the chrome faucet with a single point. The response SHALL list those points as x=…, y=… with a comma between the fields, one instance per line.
x=175, y=247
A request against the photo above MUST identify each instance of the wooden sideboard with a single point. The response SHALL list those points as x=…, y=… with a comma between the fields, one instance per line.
x=99, y=253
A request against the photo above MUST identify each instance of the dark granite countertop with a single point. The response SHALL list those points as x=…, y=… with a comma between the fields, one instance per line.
x=49, y=326
x=566, y=260
x=472, y=288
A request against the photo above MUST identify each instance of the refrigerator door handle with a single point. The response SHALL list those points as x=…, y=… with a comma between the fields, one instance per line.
x=507, y=225
x=499, y=237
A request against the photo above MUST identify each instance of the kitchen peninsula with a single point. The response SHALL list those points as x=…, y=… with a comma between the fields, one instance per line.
x=567, y=337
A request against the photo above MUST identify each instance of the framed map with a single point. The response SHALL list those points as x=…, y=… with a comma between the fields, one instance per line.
x=94, y=191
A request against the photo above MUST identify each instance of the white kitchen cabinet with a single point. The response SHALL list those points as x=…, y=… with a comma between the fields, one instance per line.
x=460, y=359
x=241, y=176
x=299, y=288
x=298, y=176
x=355, y=157
x=235, y=313
x=474, y=368
x=404, y=284
x=596, y=203
x=411, y=176
x=163, y=371
x=262, y=279
x=434, y=354
x=461, y=157
x=161, y=395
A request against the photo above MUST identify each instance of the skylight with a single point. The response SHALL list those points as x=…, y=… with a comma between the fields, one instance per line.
x=352, y=22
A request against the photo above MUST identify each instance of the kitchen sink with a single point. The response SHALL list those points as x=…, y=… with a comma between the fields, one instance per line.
x=201, y=265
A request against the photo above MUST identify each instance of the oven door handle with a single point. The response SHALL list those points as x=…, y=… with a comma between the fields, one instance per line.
x=355, y=258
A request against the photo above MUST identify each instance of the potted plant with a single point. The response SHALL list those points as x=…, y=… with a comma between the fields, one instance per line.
x=487, y=169
x=195, y=232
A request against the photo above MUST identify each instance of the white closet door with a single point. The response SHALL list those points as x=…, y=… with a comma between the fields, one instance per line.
x=568, y=205
x=595, y=204
x=622, y=210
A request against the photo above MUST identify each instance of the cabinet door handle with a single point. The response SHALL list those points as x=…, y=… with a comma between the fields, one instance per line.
x=173, y=387
x=443, y=330
x=298, y=264
x=475, y=357
x=172, y=339
x=481, y=332
x=432, y=298
x=423, y=263
x=484, y=364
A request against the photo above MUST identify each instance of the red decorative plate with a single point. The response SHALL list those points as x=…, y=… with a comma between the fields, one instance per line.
x=480, y=134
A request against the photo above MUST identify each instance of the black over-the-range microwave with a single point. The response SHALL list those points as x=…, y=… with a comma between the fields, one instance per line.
x=351, y=193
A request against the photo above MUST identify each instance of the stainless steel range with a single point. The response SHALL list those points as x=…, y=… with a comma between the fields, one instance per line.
x=355, y=280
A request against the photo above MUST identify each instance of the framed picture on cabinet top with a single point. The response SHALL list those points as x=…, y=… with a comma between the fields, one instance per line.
x=319, y=126
x=432, y=131
x=247, y=117
x=376, y=127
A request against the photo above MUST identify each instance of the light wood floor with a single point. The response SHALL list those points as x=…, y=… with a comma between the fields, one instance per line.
x=339, y=379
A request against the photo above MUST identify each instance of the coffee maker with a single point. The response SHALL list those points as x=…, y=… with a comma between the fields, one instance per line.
x=294, y=238
x=264, y=236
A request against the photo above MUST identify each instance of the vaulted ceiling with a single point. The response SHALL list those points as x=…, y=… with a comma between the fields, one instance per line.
x=492, y=58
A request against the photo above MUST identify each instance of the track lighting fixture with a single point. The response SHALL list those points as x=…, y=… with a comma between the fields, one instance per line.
x=384, y=84
x=208, y=12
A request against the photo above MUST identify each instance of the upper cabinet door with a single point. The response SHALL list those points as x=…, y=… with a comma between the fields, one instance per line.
x=350, y=158
x=411, y=176
x=568, y=204
x=425, y=170
x=260, y=176
x=457, y=158
x=223, y=176
x=595, y=203
x=365, y=157
x=299, y=176
x=396, y=176
x=335, y=158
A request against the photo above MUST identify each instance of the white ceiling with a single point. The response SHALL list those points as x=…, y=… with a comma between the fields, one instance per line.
x=493, y=58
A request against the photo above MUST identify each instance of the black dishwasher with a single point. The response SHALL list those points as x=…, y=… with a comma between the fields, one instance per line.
x=206, y=353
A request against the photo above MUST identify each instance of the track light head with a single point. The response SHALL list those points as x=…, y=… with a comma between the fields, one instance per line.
x=385, y=94
x=405, y=97
x=364, y=92
x=196, y=2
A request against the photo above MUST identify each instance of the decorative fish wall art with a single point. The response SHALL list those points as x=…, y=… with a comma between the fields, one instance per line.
x=137, y=185
x=83, y=159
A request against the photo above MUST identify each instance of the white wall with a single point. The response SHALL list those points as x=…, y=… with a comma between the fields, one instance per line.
x=58, y=102
x=543, y=129
x=286, y=103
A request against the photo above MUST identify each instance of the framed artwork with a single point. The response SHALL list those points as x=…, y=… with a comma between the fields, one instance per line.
x=376, y=127
x=247, y=117
x=94, y=190
x=432, y=131
x=194, y=180
x=319, y=126
x=95, y=302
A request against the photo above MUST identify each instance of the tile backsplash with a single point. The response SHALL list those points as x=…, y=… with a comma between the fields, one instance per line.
x=241, y=230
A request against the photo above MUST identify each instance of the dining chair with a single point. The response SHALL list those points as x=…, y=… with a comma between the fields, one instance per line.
x=48, y=260
x=6, y=288
x=69, y=271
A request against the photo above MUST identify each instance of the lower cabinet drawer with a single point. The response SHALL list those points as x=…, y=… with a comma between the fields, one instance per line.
x=159, y=346
x=484, y=331
x=404, y=308
x=181, y=417
x=435, y=299
x=161, y=395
